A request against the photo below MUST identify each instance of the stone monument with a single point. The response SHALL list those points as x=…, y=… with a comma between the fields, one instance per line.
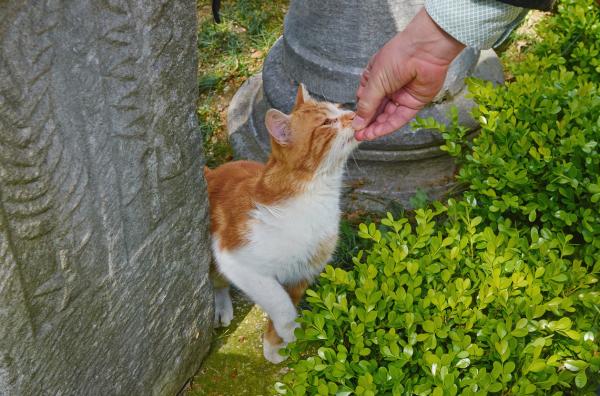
x=326, y=45
x=104, y=248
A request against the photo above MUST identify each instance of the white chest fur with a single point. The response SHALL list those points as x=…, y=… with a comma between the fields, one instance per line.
x=284, y=238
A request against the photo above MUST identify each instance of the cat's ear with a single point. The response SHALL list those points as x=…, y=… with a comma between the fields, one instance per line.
x=302, y=95
x=278, y=125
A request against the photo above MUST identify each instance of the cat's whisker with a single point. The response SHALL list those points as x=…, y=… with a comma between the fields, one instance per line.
x=354, y=160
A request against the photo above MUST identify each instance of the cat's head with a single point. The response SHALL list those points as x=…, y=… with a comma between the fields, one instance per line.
x=316, y=137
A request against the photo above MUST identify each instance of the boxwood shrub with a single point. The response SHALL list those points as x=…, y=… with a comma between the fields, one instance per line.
x=451, y=307
x=537, y=159
x=496, y=291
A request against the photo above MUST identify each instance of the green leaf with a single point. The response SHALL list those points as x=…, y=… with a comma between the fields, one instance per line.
x=509, y=367
x=562, y=324
x=463, y=363
x=428, y=326
x=412, y=267
x=522, y=332
x=322, y=389
x=280, y=388
x=560, y=278
x=501, y=347
x=580, y=379
x=532, y=216
x=537, y=365
x=575, y=365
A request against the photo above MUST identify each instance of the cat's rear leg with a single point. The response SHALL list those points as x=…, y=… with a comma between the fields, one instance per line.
x=223, y=307
x=272, y=342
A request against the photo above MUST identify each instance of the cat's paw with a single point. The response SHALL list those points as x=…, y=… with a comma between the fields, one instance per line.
x=286, y=332
x=271, y=351
x=223, y=308
x=223, y=316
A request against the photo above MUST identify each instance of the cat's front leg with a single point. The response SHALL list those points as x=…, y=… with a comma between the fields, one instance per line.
x=264, y=290
x=272, y=343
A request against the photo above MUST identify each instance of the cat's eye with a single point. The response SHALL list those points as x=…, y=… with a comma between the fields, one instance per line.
x=329, y=121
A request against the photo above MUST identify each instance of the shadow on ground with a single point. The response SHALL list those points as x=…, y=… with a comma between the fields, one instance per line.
x=235, y=364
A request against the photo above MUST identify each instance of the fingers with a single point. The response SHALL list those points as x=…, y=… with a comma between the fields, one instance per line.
x=392, y=114
x=370, y=94
x=364, y=79
x=384, y=103
x=392, y=118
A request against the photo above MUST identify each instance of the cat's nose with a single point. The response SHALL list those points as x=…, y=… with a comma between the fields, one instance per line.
x=347, y=119
x=349, y=116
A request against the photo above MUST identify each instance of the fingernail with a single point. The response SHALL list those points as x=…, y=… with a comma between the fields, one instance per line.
x=358, y=123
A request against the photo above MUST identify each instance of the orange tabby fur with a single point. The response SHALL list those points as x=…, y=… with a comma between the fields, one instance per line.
x=235, y=188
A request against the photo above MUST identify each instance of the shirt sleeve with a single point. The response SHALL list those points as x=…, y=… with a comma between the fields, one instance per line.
x=475, y=23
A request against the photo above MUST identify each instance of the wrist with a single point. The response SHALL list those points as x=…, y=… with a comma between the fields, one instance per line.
x=430, y=40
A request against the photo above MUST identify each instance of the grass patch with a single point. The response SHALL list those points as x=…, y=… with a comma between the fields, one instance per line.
x=229, y=53
x=236, y=365
x=513, y=50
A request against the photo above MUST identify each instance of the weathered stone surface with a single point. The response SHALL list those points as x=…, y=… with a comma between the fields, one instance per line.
x=326, y=44
x=103, y=244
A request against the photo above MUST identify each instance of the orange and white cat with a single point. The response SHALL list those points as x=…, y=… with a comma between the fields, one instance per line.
x=274, y=226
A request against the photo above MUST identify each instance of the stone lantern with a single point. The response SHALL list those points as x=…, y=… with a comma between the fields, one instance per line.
x=326, y=45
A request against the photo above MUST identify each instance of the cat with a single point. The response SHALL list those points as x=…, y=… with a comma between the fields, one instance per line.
x=274, y=226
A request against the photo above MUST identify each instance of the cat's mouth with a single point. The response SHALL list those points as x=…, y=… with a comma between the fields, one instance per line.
x=351, y=139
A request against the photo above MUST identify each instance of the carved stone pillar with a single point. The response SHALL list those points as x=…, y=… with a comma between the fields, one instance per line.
x=104, y=248
x=326, y=45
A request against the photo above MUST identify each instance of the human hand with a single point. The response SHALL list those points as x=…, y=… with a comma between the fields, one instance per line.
x=403, y=77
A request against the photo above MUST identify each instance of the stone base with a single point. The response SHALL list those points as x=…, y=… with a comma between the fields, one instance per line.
x=382, y=174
